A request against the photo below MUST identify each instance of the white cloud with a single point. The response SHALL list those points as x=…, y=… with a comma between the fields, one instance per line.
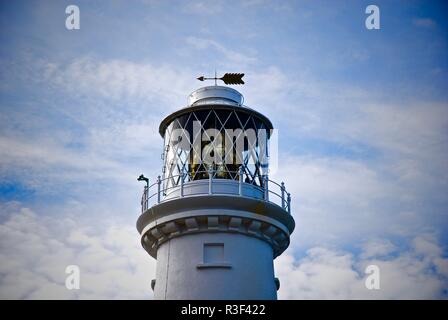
x=35, y=250
x=400, y=129
x=377, y=248
x=334, y=274
x=101, y=115
x=204, y=7
x=356, y=165
x=336, y=200
x=232, y=56
x=120, y=79
x=48, y=167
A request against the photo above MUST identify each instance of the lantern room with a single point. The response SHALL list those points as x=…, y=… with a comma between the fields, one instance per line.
x=217, y=137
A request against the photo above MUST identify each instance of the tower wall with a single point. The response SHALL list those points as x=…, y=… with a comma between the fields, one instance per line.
x=215, y=266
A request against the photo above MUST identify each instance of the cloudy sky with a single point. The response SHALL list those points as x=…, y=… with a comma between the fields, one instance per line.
x=363, y=137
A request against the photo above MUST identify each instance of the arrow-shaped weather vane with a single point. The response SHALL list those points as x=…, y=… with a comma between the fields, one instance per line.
x=228, y=78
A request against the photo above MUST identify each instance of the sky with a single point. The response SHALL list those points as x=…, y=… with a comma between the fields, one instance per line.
x=362, y=119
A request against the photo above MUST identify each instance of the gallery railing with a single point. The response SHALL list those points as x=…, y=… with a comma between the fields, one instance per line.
x=268, y=190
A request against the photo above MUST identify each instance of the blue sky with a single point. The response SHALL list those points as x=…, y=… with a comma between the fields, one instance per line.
x=363, y=132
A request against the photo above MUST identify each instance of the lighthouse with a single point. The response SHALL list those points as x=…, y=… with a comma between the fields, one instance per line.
x=213, y=219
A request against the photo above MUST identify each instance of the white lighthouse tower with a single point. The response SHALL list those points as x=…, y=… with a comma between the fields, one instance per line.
x=214, y=220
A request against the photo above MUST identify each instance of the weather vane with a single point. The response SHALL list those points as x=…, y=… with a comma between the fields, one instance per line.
x=228, y=78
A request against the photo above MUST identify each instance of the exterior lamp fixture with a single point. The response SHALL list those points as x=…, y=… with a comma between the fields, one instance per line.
x=143, y=178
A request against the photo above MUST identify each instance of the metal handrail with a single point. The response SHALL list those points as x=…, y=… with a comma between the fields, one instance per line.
x=282, y=196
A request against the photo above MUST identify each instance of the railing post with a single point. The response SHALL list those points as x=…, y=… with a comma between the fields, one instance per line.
x=266, y=188
x=240, y=182
x=289, y=203
x=159, y=182
x=210, y=174
x=145, y=199
x=182, y=185
x=283, y=195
